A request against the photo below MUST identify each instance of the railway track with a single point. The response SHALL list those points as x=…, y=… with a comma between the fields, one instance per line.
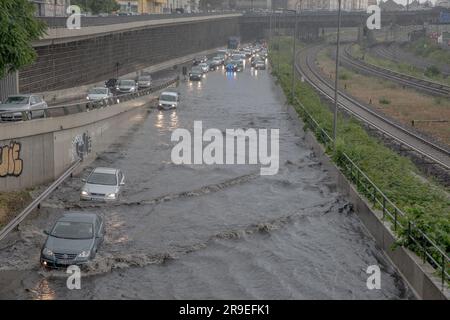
x=394, y=53
x=404, y=79
x=428, y=150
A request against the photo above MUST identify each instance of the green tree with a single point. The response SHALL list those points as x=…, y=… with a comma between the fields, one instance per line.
x=18, y=27
x=97, y=6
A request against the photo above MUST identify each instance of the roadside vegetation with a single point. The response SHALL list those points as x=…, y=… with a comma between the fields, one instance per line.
x=424, y=202
x=432, y=73
x=401, y=103
x=427, y=48
x=11, y=203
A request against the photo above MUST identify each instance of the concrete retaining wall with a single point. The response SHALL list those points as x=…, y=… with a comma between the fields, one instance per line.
x=94, y=59
x=419, y=276
x=38, y=151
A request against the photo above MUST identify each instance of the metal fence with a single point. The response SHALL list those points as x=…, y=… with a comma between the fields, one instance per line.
x=414, y=237
x=63, y=110
x=9, y=85
x=60, y=22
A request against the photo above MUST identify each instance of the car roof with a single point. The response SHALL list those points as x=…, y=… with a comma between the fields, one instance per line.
x=21, y=95
x=79, y=217
x=171, y=93
x=105, y=170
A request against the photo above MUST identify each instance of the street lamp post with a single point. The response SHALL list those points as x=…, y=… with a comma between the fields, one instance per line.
x=336, y=80
x=270, y=30
x=293, y=51
x=278, y=44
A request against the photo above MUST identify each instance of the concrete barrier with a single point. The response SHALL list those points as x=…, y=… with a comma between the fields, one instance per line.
x=38, y=151
x=420, y=276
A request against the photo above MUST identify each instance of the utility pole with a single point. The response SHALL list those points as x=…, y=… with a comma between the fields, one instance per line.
x=278, y=43
x=293, y=51
x=336, y=80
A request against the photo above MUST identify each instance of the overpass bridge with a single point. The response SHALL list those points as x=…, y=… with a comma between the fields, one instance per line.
x=306, y=207
x=107, y=47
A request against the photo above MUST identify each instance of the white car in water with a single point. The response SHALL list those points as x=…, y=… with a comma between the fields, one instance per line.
x=103, y=184
x=168, y=100
x=99, y=93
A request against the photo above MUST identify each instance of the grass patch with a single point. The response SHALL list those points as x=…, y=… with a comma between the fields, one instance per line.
x=424, y=202
x=433, y=74
x=12, y=203
x=384, y=100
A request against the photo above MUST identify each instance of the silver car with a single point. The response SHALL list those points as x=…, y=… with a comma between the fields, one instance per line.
x=16, y=106
x=126, y=86
x=73, y=240
x=98, y=94
x=103, y=184
x=144, y=82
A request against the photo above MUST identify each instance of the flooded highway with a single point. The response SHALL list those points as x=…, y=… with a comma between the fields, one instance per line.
x=209, y=231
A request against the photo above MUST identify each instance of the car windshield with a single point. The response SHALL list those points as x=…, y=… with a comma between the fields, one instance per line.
x=126, y=83
x=107, y=179
x=73, y=230
x=168, y=97
x=17, y=100
x=196, y=70
x=144, y=79
x=98, y=91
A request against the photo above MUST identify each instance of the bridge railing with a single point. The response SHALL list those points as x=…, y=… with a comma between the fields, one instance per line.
x=429, y=250
x=63, y=110
x=90, y=21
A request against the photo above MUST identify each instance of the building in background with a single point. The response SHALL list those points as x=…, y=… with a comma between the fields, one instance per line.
x=50, y=8
x=329, y=5
x=391, y=5
x=129, y=6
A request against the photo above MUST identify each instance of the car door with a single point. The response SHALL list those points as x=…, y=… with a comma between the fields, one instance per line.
x=39, y=105
x=121, y=180
x=99, y=232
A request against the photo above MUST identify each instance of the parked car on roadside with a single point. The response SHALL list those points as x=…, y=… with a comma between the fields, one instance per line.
x=239, y=65
x=103, y=184
x=231, y=66
x=168, y=100
x=111, y=84
x=74, y=239
x=126, y=86
x=22, y=107
x=144, y=82
x=213, y=65
x=196, y=74
x=98, y=94
x=199, y=59
x=260, y=65
x=204, y=66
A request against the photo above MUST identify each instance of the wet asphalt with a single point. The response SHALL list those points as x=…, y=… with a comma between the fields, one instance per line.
x=209, y=231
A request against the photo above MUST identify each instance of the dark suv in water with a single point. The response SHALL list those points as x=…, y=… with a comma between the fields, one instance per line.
x=196, y=74
x=73, y=240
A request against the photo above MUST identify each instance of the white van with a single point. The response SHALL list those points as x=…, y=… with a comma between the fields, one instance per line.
x=168, y=100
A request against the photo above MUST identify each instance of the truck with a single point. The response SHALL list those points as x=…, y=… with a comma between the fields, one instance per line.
x=234, y=42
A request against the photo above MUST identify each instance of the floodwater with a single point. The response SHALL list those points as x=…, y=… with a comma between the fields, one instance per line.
x=209, y=231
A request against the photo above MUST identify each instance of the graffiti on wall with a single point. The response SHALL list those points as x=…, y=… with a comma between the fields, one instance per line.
x=10, y=162
x=81, y=146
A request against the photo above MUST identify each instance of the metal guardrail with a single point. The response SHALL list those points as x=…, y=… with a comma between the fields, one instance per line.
x=95, y=21
x=36, y=202
x=431, y=252
x=384, y=119
x=418, y=83
x=63, y=110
